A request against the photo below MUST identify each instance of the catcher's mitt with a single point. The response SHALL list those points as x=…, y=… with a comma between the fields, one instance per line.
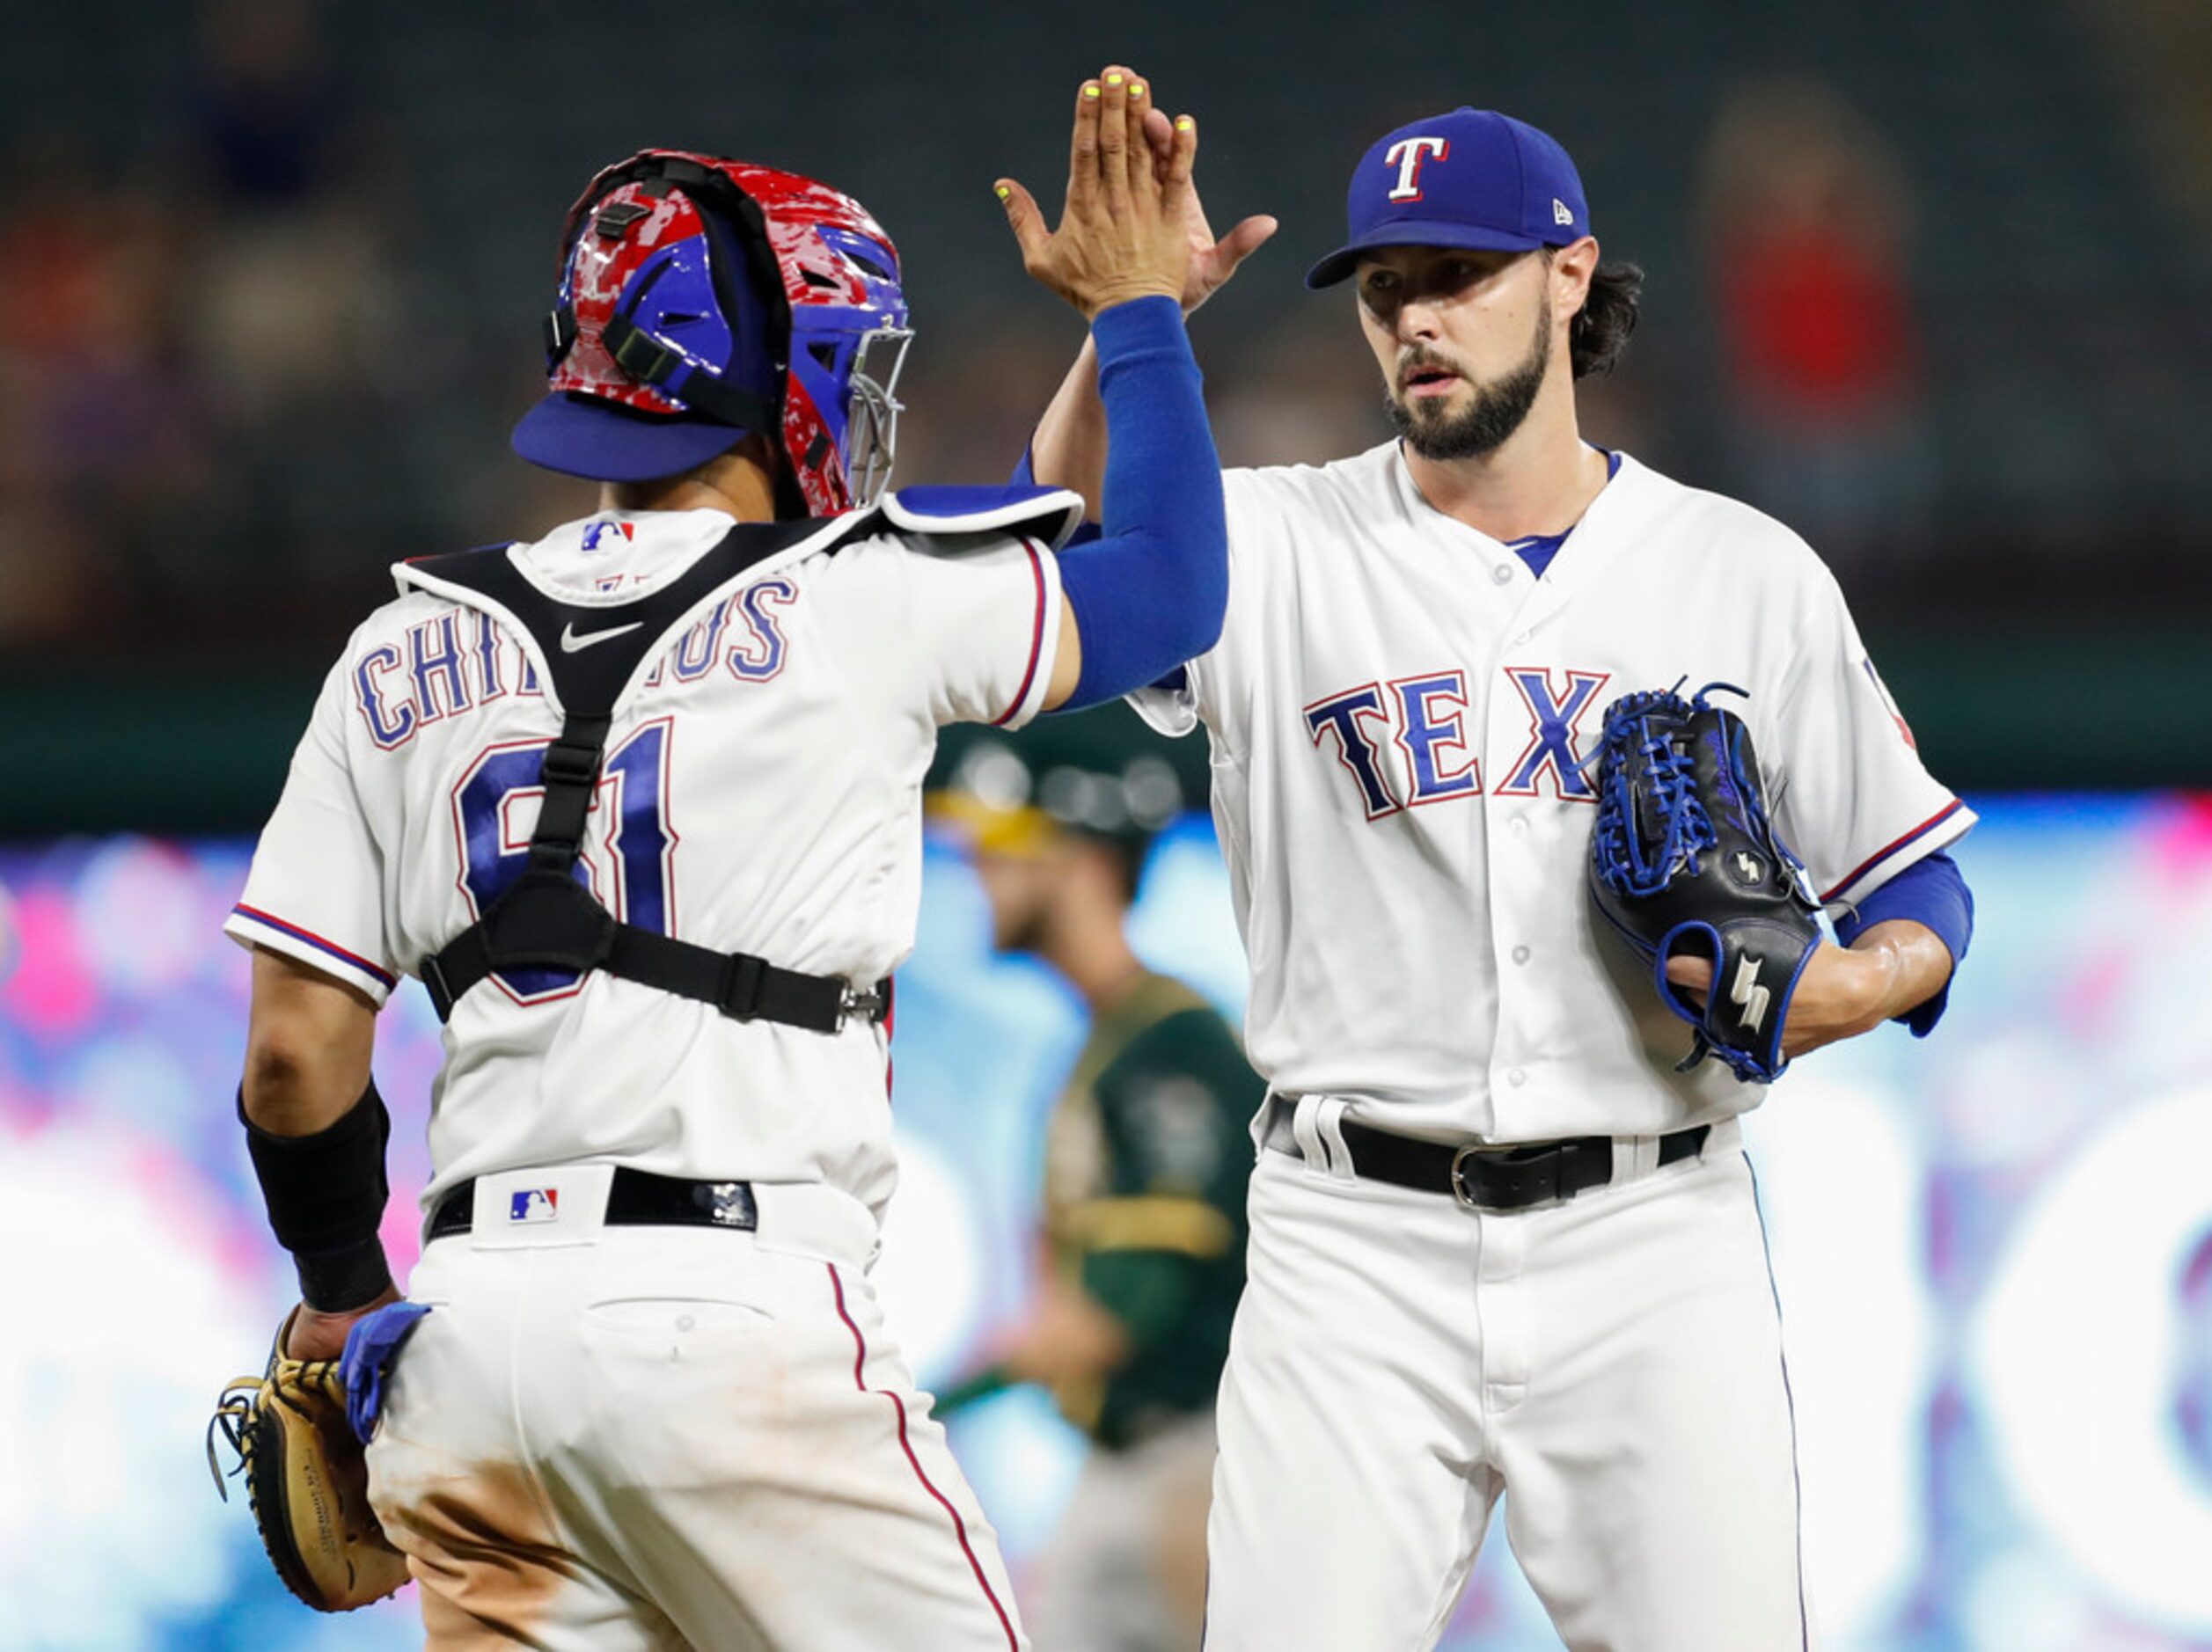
x=307, y=1481
x=1683, y=848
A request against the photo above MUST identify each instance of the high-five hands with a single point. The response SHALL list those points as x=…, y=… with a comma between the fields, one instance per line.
x=1125, y=231
x=1211, y=262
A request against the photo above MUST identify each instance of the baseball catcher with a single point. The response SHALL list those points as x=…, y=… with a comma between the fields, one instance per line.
x=657, y=1403
x=1683, y=855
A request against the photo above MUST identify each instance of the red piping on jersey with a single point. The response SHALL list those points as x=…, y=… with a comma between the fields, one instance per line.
x=959, y=1527
x=1037, y=638
x=315, y=941
x=1882, y=854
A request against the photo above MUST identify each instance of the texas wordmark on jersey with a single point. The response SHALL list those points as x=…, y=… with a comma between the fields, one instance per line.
x=1400, y=711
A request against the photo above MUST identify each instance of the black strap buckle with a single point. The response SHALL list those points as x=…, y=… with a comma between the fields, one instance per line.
x=638, y=355
x=570, y=772
x=742, y=977
x=571, y=762
x=870, y=1002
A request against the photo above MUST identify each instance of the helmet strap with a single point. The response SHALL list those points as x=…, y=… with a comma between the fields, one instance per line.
x=646, y=359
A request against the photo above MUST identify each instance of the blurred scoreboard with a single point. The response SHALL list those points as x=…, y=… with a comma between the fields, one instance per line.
x=1994, y=1248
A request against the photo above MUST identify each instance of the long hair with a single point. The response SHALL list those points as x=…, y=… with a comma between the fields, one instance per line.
x=1599, y=329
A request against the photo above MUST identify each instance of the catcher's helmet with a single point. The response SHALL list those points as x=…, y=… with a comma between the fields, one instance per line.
x=704, y=299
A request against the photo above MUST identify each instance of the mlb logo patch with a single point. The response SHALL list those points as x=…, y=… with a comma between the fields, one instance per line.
x=534, y=1205
x=602, y=535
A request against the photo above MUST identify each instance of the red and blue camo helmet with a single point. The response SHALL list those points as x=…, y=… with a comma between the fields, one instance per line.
x=703, y=300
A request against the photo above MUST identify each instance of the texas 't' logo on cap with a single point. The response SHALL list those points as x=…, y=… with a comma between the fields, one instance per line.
x=1406, y=155
x=1473, y=178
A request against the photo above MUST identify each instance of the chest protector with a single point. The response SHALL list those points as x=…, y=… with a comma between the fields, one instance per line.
x=546, y=920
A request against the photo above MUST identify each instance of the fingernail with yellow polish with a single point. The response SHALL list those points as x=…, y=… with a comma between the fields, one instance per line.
x=1090, y=91
x=1135, y=89
x=1185, y=123
x=1113, y=80
x=1004, y=193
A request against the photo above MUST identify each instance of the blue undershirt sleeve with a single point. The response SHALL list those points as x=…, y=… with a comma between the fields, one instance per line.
x=1149, y=592
x=1931, y=891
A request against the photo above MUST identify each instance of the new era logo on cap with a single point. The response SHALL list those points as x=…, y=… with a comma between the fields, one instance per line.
x=1473, y=178
x=534, y=1205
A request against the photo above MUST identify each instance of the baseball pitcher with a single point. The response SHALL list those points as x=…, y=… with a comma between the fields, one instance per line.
x=1505, y=1241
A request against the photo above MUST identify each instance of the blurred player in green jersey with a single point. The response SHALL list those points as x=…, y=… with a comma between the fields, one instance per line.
x=1147, y=1157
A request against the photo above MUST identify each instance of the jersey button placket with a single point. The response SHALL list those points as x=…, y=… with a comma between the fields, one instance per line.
x=1510, y=868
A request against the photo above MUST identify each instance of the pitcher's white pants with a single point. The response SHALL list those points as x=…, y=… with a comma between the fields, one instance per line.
x=1611, y=1363
x=615, y=1439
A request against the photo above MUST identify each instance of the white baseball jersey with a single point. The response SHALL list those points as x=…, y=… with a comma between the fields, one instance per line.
x=761, y=792
x=1399, y=711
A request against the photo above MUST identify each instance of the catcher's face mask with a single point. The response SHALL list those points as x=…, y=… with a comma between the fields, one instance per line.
x=702, y=299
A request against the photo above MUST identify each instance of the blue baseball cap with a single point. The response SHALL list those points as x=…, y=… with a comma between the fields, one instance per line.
x=1472, y=177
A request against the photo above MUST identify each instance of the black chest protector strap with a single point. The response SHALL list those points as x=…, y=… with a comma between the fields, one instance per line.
x=546, y=919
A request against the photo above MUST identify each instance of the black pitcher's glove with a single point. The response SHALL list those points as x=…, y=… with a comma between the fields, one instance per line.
x=307, y=1482
x=1683, y=854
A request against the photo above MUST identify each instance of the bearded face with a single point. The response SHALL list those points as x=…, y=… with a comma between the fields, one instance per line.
x=1458, y=417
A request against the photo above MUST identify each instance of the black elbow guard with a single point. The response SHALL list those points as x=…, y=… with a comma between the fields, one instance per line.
x=325, y=1195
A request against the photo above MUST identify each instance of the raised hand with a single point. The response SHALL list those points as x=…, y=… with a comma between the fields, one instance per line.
x=1211, y=262
x=1124, y=230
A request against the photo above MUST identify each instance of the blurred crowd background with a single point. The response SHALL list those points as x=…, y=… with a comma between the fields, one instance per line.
x=1931, y=280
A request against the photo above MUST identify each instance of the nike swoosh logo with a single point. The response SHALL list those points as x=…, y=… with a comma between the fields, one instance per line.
x=570, y=643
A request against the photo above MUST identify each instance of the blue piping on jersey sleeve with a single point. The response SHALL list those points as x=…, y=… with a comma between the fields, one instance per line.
x=1149, y=592
x=1931, y=891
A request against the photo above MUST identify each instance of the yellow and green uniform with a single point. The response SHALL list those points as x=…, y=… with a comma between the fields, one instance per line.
x=1146, y=1159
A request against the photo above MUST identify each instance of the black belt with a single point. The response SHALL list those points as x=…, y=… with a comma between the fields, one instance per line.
x=1480, y=1178
x=637, y=1198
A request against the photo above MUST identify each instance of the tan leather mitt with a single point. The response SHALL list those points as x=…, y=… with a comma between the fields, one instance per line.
x=306, y=1481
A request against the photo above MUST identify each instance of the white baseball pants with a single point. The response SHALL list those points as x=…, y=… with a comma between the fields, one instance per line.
x=1611, y=1364
x=611, y=1439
